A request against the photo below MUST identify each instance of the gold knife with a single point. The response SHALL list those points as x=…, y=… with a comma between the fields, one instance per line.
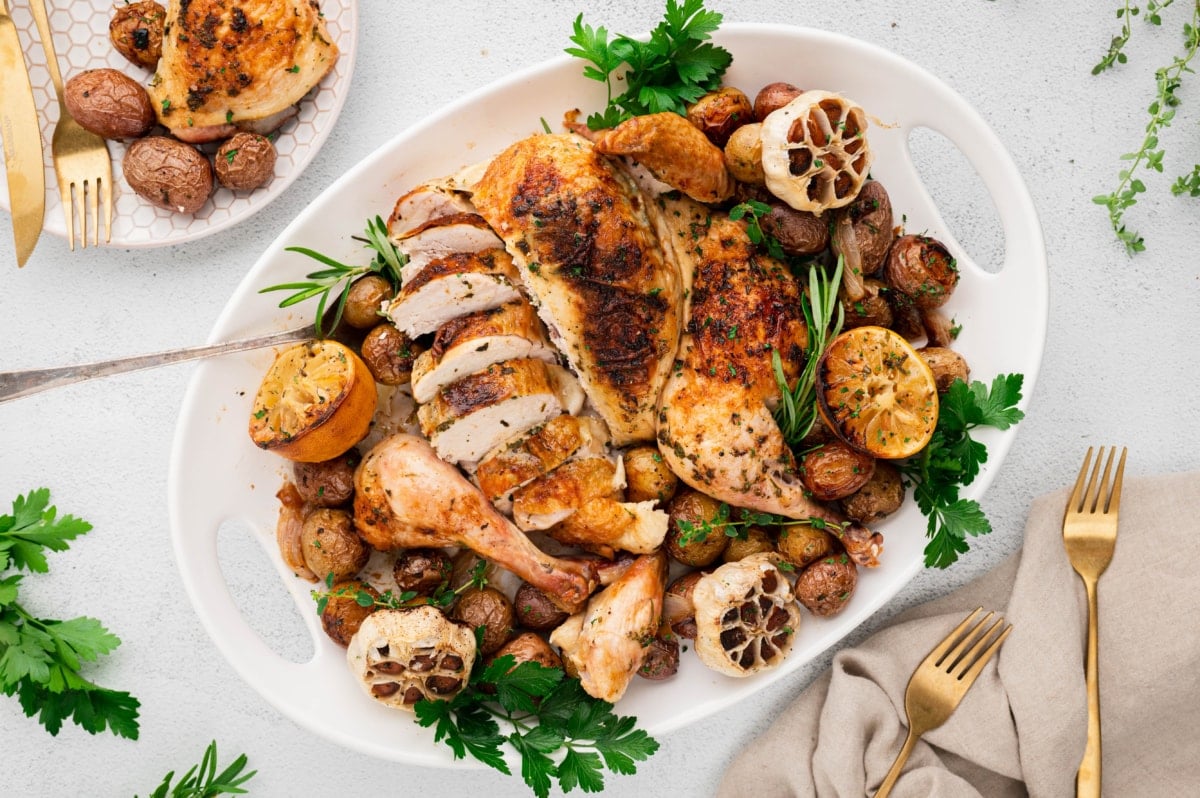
x=24, y=161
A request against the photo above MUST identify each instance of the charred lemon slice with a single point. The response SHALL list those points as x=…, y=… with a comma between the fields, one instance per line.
x=815, y=154
x=315, y=402
x=877, y=393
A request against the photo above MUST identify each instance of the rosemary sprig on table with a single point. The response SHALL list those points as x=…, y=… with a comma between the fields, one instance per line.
x=1150, y=154
x=203, y=781
x=823, y=316
x=323, y=283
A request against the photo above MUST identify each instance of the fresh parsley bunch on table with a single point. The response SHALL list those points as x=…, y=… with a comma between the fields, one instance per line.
x=40, y=659
x=544, y=713
x=676, y=67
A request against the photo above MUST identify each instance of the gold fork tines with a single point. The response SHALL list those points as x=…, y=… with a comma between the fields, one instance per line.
x=942, y=679
x=1090, y=537
x=81, y=159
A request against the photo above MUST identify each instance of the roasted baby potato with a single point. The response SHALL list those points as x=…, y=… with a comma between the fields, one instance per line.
x=647, y=476
x=721, y=112
x=245, y=161
x=168, y=173
x=109, y=103
x=136, y=31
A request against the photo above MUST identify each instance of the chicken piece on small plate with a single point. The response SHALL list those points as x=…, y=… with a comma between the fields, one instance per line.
x=407, y=497
x=604, y=644
x=455, y=285
x=716, y=430
x=470, y=417
x=517, y=462
x=471, y=343
x=226, y=66
x=577, y=228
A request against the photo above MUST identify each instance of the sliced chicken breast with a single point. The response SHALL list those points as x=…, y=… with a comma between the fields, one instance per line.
x=432, y=200
x=471, y=343
x=443, y=236
x=451, y=286
x=472, y=416
x=577, y=229
x=550, y=499
x=536, y=453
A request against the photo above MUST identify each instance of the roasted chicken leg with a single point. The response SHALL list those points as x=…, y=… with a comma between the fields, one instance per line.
x=407, y=497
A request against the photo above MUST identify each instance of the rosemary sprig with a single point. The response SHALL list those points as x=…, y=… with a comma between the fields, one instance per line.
x=1150, y=155
x=823, y=316
x=323, y=283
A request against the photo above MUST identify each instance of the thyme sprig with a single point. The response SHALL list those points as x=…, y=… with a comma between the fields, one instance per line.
x=324, y=283
x=723, y=523
x=823, y=317
x=1116, y=48
x=1162, y=112
x=443, y=596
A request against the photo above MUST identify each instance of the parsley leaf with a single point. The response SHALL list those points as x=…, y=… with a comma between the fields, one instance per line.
x=953, y=459
x=545, y=713
x=675, y=68
x=40, y=659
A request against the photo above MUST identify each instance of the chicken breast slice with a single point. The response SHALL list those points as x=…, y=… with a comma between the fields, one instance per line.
x=519, y=461
x=472, y=416
x=451, y=286
x=442, y=237
x=550, y=499
x=428, y=201
x=577, y=229
x=471, y=343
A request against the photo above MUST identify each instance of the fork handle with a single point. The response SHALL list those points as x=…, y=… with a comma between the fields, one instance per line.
x=38, y=9
x=16, y=384
x=889, y=780
x=1087, y=782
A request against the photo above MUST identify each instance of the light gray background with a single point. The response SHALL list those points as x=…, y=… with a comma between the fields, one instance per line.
x=1120, y=363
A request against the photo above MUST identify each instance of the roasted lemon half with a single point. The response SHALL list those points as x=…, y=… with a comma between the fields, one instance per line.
x=877, y=393
x=315, y=402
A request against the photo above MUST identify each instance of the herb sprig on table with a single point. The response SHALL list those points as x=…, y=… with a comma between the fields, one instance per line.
x=559, y=731
x=203, y=780
x=1150, y=154
x=325, y=283
x=678, y=66
x=952, y=460
x=40, y=659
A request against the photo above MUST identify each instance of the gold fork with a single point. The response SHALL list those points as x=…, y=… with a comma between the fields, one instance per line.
x=81, y=159
x=1089, y=536
x=941, y=680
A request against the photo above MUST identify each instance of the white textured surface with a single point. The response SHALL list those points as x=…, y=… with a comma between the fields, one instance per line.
x=1119, y=365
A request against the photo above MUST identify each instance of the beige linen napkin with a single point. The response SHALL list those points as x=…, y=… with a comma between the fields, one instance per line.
x=1021, y=729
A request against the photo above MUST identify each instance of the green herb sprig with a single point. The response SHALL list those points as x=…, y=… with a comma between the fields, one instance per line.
x=678, y=66
x=324, y=283
x=443, y=596
x=203, y=780
x=559, y=731
x=753, y=211
x=1150, y=154
x=823, y=316
x=952, y=460
x=698, y=531
x=40, y=659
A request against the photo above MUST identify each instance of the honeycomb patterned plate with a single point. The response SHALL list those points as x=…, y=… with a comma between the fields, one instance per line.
x=81, y=39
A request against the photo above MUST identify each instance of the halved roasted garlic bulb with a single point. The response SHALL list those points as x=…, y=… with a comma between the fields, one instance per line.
x=403, y=656
x=815, y=154
x=746, y=616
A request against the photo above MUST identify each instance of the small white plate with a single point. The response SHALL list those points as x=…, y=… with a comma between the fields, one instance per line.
x=216, y=474
x=81, y=41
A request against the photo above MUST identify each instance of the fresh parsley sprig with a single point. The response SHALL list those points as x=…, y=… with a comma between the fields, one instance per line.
x=952, y=460
x=1150, y=154
x=323, y=283
x=203, y=780
x=753, y=211
x=40, y=659
x=823, y=316
x=676, y=67
x=560, y=732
